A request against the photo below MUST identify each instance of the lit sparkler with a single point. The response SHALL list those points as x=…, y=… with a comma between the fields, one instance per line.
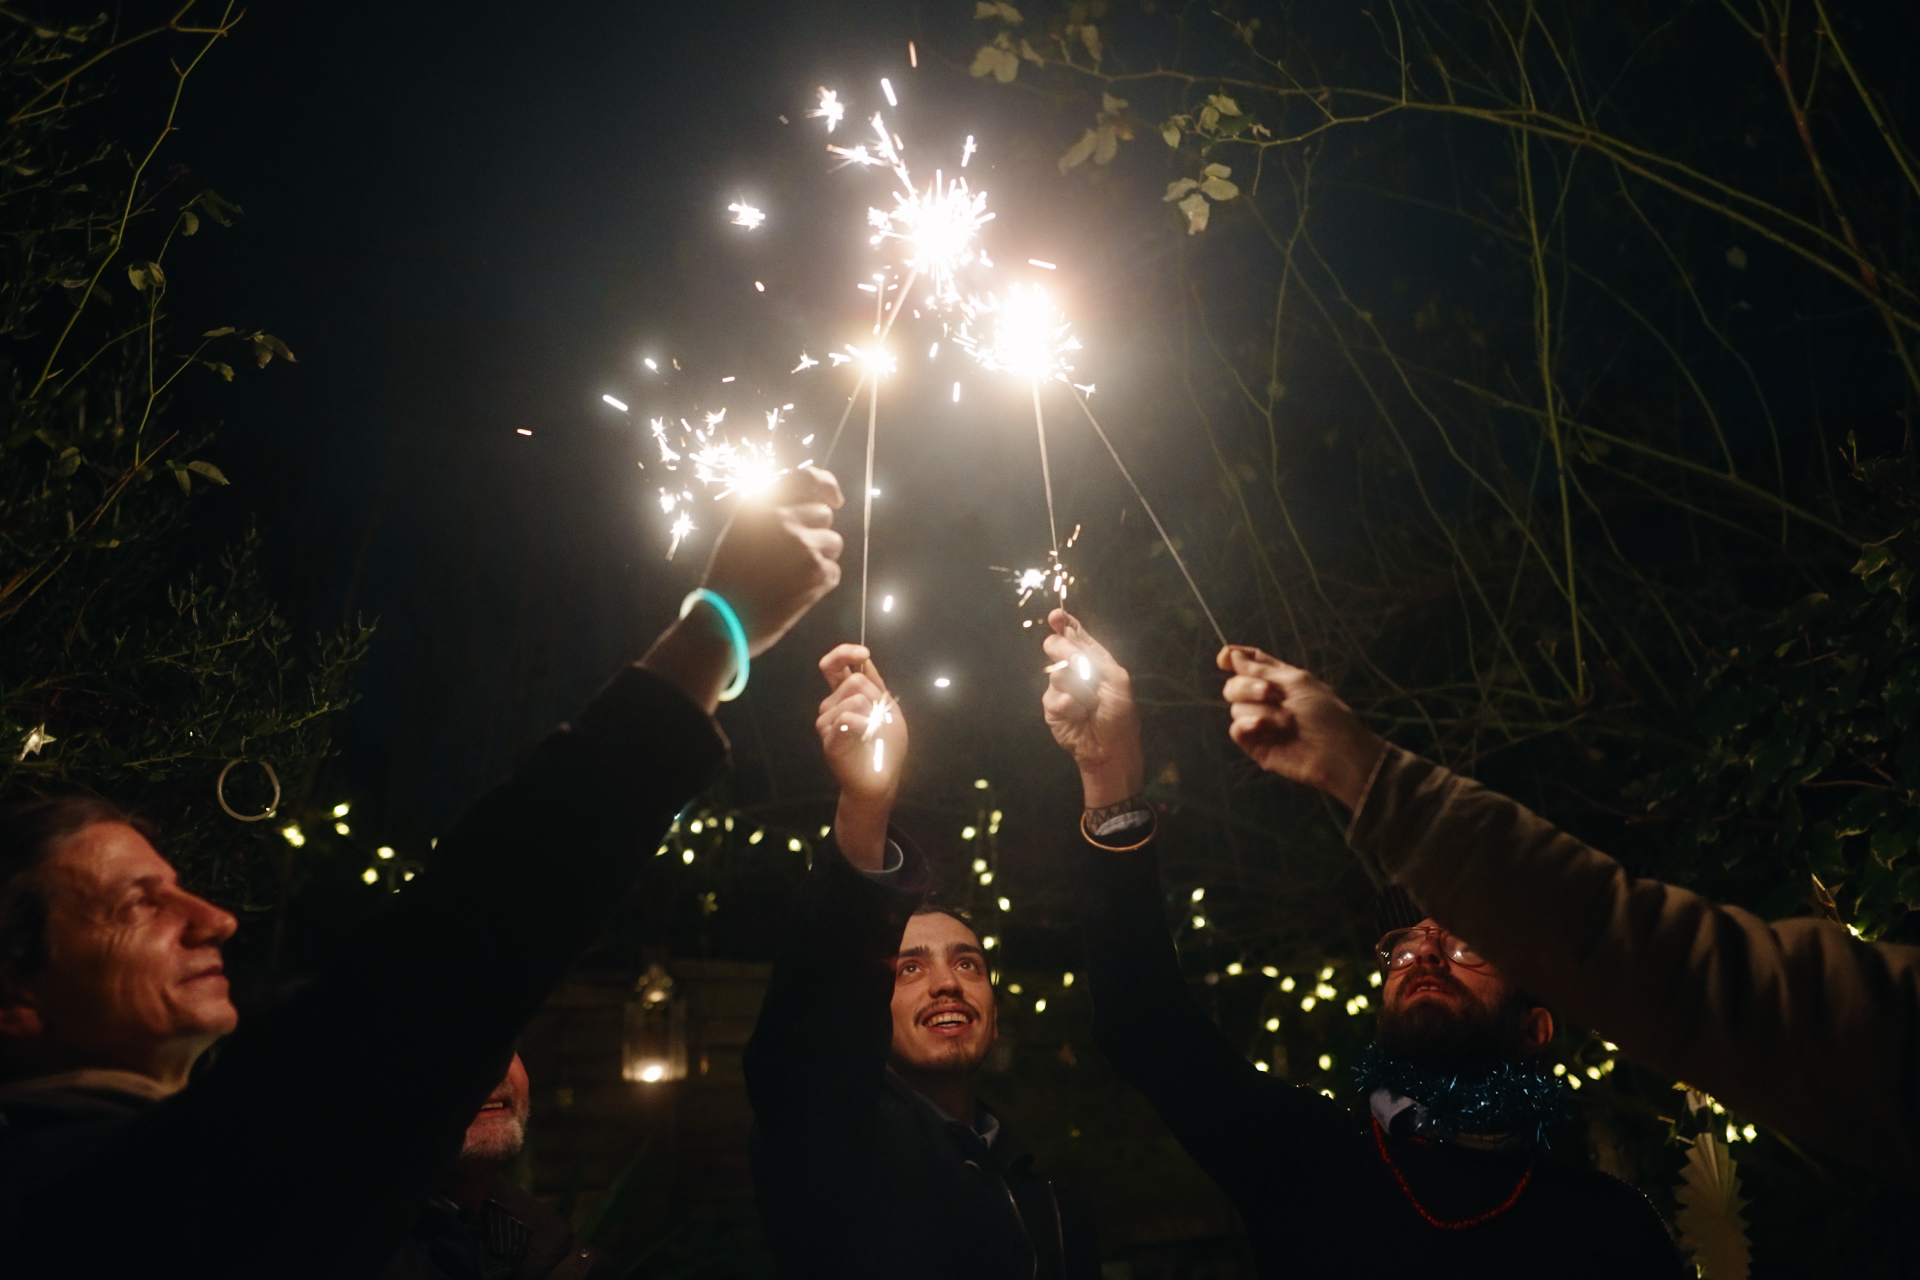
x=831, y=109
x=745, y=215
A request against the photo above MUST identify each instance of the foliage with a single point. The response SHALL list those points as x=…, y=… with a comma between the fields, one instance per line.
x=133, y=662
x=1521, y=344
x=1811, y=759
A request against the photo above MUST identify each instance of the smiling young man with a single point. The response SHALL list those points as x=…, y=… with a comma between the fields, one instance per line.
x=873, y=1155
x=1445, y=1171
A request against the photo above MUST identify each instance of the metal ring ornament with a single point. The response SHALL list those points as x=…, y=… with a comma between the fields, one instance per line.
x=735, y=633
x=220, y=792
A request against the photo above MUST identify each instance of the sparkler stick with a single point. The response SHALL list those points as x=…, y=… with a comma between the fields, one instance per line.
x=1148, y=508
x=866, y=523
x=1046, y=477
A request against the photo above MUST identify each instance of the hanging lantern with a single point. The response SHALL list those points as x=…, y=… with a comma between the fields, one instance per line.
x=654, y=1047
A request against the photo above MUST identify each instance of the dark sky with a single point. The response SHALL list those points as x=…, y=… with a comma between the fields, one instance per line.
x=468, y=221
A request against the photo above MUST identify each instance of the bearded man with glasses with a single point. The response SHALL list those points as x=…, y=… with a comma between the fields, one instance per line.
x=1451, y=1168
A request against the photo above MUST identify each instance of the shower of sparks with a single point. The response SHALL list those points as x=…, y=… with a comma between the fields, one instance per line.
x=831, y=109
x=745, y=215
x=1023, y=333
x=1053, y=578
x=621, y=405
x=721, y=464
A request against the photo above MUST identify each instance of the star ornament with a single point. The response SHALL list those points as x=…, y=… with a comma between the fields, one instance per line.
x=37, y=738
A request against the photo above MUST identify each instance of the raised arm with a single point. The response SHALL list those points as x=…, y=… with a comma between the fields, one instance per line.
x=310, y=1145
x=817, y=1061
x=1794, y=1023
x=1145, y=1017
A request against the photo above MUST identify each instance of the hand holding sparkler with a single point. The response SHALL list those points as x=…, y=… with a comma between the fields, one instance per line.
x=1290, y=723
x=777, y=558
x=864, y=737
x=1089, y=707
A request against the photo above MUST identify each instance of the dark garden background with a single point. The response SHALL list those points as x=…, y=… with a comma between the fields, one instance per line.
x=1543, y=377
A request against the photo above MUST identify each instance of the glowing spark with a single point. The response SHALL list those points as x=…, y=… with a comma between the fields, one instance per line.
x=886, y=87
x=966, y=152
x=522, y=431
x=1082, y=668
x=879, y=754
x=806, y=362
x=933, y=351
x=942, y=683
x=831, y=109
x=650, y=364
x=745, y=215
x=1047, y=266
x=1053, y=578
x=956, y=393
x=758, y=287
x=913, y=57
x=728, y=378
x=1026, y=334
x=667, y=454
x=839, y=358
x=886, y=605
x=681, y=528
x=37, y=737
x=715, y=419
x=618, y=404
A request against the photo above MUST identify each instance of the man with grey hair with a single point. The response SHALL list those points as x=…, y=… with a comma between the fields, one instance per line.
x=480, y=1225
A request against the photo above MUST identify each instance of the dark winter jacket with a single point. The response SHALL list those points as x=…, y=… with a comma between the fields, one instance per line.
x=311, y=1144
x=512, y=1237
x=857, y=1176
x=1319, y=1188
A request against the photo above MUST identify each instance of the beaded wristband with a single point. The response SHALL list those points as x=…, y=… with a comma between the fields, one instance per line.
x=735, y=632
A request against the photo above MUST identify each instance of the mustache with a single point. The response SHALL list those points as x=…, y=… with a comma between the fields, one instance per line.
x=943, y=1003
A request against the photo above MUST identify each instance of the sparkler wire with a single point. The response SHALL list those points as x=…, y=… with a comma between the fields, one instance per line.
x=866, y=524
x=1046, y=477
x=1148, y=508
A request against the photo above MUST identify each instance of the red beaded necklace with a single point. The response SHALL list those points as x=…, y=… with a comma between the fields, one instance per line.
x=1380, y=1142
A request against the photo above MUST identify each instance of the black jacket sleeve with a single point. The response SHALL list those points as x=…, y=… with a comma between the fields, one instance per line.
x=817, y=1060
x=1222, y=1108
x=310, y=1145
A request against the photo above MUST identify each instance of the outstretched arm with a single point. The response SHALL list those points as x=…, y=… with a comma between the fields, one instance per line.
x=816, y=1064
x=328, y=1120
x=1778, y=1020
x=1145, y=1017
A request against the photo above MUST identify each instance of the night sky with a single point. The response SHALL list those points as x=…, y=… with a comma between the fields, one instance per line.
x=468, y=226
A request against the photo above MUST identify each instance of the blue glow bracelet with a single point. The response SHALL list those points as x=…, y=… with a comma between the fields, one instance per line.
x=735, y=633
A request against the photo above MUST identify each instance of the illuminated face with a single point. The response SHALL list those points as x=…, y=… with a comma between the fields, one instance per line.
x=499, y=1128
x=944, y=1020
x=1435, y=1008
x=134, y=978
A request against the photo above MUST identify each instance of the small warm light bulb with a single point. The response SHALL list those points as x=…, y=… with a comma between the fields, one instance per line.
x=967, y=833
x=1040, y=1005
x=1006, y=904
x=1273, y=1024
x=989, y=942
x=979, y=784
x=1307, y=1003
x=384, y=851
x=1066, y=979
x=986, y=878
x=343, y=828
x=653, y=1073
x=1235, y=969
x=1286, y=983
x=686, y=856
x=1326, y=1062
x=1199, y=922
x=1199, y=895
x=293, y=835
x=1261, y=1066
x=370, y=875
x=1269, y=971
x=793, y=844
x=979, y=865
x=757, y=836
x=695, y=826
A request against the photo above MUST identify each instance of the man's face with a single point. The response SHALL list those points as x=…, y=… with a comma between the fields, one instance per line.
x=499, y=1128
x=1440, y=1012
x=133, y=977
x=944, y=1018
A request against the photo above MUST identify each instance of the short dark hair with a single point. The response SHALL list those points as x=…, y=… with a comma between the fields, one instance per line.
x=30, y=833
x=954, y=913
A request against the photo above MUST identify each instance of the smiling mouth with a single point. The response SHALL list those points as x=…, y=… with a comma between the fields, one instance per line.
x=947, y=1021
x=492, y=1105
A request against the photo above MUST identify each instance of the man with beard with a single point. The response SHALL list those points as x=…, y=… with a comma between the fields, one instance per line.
x=480, y=1226
x=1445, y=1172
x=873, y=1156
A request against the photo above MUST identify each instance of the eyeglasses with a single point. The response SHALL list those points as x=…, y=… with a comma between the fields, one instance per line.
x=1400, y=948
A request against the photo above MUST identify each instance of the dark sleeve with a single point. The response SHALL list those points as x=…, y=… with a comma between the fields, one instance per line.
x=313, y=1141
x=817, y=1059
x=1776, y=1020
x=1220, y=1106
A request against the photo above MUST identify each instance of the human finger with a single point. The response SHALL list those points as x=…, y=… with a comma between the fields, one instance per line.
x=810, y=484
x=1251, y=689
x=842, y=660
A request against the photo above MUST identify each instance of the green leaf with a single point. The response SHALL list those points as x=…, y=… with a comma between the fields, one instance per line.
x=189, y=222
x=208, y=470
x=69, y=461
x=221, y=332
